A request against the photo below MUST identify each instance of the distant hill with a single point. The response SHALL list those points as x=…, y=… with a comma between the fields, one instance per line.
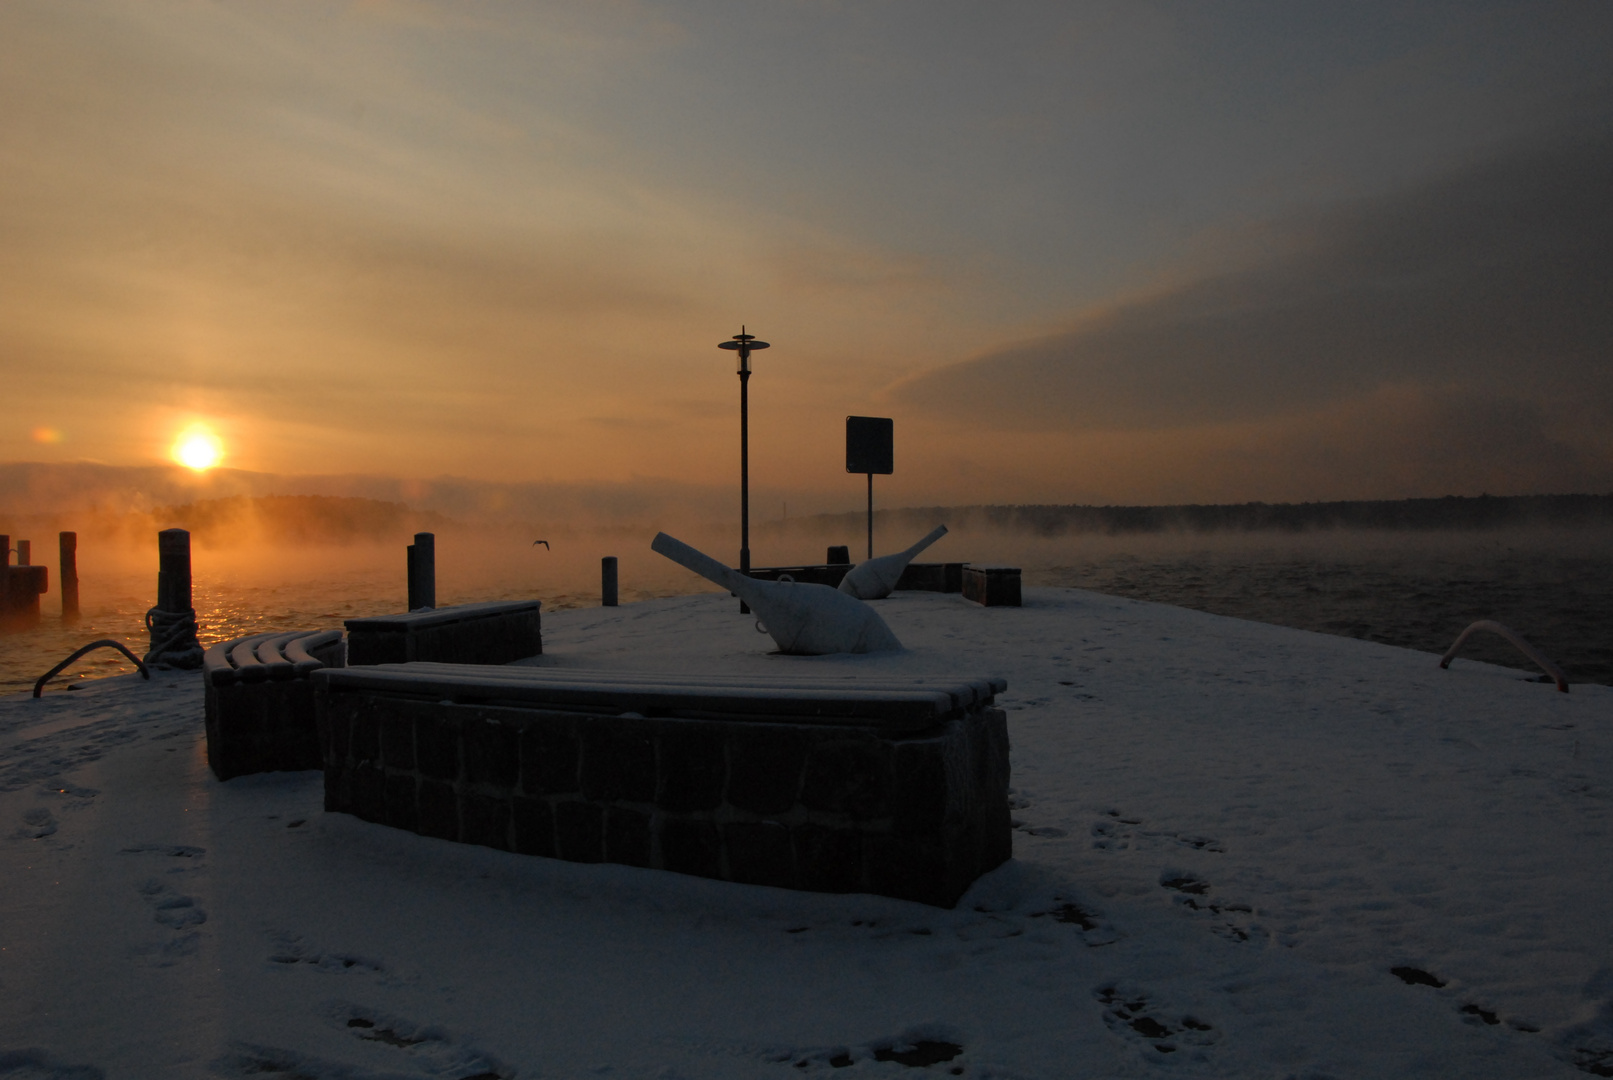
x=241, y=520
x=1449, y=513
x=296, y=520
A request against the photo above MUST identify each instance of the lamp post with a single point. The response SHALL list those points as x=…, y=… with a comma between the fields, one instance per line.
x=744, y=344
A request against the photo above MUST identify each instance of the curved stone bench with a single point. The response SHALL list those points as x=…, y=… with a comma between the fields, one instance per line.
x=489, y=633
x=807, y=782
x=259, y=703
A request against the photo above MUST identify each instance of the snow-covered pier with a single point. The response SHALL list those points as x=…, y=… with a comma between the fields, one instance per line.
x=1239, y=850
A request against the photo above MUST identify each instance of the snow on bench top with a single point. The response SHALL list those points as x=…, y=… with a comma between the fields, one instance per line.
x=281, y=654
x=907, y=704
x=432, y=617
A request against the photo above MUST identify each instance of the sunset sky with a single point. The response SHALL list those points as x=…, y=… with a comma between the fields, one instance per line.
x=1131, y=252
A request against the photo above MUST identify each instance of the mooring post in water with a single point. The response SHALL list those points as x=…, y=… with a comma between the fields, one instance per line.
x=607, y=581
x=173, y=570
x=423, y=571
x=69, y=576
x=172, y=623
x=5, y=571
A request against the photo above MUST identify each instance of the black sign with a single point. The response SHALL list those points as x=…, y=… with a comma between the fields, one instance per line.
x=869, y=445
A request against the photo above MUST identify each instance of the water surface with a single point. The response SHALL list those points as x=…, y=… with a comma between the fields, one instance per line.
x=1416, y=590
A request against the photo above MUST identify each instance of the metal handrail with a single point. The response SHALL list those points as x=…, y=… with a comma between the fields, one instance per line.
x=1523, y=646
x=39, y=687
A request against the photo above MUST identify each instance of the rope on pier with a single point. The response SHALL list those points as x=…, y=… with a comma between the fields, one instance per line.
x=173, y=639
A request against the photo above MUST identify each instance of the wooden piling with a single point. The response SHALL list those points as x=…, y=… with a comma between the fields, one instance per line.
x=173, y=570
x=422, y=570
x=69, y=575
x=172, y=623
x=411, y=578
x=607, y=581
x=5, y=573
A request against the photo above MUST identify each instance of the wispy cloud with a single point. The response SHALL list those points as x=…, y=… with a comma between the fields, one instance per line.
x=1495, y=278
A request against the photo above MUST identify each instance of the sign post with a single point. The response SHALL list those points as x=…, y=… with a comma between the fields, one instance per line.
x=869, y=449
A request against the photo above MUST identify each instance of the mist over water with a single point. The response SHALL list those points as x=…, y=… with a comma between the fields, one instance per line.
x=1407, y=588
x=252, y=588
x=1417, y=591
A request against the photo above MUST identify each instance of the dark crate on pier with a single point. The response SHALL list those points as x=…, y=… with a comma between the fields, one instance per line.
x=809, y=782
x=258, y=703
x=993, y=586
x=494, y=633
x=829, y=574
x=943, y=577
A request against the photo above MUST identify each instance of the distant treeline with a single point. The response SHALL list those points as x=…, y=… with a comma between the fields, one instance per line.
x=1449, y=513
x=240, y=520
x=296, y=519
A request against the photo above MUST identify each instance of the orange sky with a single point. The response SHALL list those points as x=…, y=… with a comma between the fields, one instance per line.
x=502, y=242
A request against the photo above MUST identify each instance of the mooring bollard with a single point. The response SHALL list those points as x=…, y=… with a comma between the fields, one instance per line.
x=423, y=571
x=173, y=570
x=25, y=553
x=607, y=581
x=172, y=623
x=69, y=575
x=838, y=554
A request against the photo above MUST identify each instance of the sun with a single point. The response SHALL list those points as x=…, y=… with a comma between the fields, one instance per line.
x=197, y=448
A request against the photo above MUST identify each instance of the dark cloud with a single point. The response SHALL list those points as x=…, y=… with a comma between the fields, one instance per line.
x=1497, y=279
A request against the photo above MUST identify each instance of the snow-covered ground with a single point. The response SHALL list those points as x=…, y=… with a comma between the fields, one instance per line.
x=1231, y=834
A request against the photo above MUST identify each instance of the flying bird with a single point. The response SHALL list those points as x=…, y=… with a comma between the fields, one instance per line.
x=545, y=544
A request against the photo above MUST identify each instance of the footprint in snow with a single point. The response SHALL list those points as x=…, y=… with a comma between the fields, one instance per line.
x=1113, y=832
x=1050, y=831
x=292, y=952
x=1129, y=1013
x=430, y=1049
x=37, y=824
x=1595, y=1059
x=1117, y=832
x=172, y=909
x=1095, y=930
x=37, y=1065
x=255, y=1060
x=1470, y=1011
x=173, y=851
x=916, y=1051
x=1226, y=919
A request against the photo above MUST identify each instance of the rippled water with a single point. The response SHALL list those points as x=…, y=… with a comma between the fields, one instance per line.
x=1413, y=590
x=236, y=594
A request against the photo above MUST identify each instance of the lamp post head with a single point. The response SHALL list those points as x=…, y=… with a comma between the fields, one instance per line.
x=743, y=343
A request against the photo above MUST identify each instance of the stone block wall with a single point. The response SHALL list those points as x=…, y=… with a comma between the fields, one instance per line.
x=263, y=721
x=993, y=586
x=798, y=805
x=932, y=577
x=494, y=633
x=260, y=727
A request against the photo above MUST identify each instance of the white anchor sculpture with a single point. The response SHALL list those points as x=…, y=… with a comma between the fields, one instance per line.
x=804, y=619
x=873, y=579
